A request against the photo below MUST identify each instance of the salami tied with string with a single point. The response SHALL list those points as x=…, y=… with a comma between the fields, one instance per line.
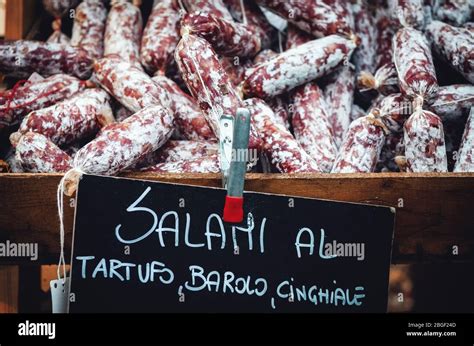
x=360, y=150
x=365, y=27
x=414, y=64
x=425, y=149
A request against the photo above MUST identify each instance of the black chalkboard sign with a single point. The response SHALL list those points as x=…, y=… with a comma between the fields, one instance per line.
x=142, y=246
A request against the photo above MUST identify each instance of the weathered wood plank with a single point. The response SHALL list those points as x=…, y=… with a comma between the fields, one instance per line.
x=20, y=15
x=434, y=211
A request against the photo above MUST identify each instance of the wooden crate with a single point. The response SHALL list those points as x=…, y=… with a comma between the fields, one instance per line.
x=434, y=211
x=21, y=16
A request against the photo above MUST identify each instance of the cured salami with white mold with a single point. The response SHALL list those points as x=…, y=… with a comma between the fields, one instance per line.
x=130, y=85
x=414, y=64
x=122, y=145
x=71, y=120
x=425, y=149
x=208, y=83
x=456, y=45
x=297, y=66
x=205, y=164
x=465, y=157
x=31, y=96
x=360, y=150
x=339, y=96
x=191, y=123
x=123, y=32
x=410, y=13
x=37, y=154
x=317, y=17
x=279, y=145
x=160, y=37
x=454, y=12
x=364, y=22
x=19, y=59
x=89, y=27
x=311, y=126
x=214, y=7
x=226, y=37
x=453, y=101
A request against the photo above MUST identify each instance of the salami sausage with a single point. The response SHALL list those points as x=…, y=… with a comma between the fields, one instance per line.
x=235, y=68
x=425, y=149
x=208, y=83
x=317, y=17
x=132, y=87
x=174, y=151
x=190, y=122
x=455, y=12
x=361, y=147
x=214, y=7
x=254, y=17
x=339, y=96
x=22, y=100
x=37, y=154
x=74, y=119
x=410, y=13
x=453, y=101
x=279, y=104
x=297, y=66
x=19, y=59
x=58, y=8
x=226, y=37
x=89, y=26
x=123, y=32
x=279, y=145
x=121, y=145
x=311, y=126
x=206, y=164
x=414, y=64
x=456, y=45
x=385, y=79
x=365, y=54
x=465, y=157
x=160, y=37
